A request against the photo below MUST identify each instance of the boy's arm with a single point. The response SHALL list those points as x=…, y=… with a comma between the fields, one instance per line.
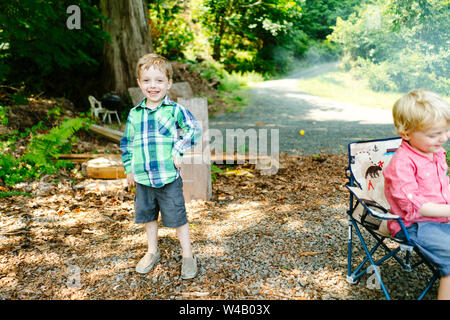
x=401, y=185
x=192, y=131
x=126, y=145
x=430, y=209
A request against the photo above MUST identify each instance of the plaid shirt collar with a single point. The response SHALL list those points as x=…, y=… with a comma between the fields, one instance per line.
x=166, y=101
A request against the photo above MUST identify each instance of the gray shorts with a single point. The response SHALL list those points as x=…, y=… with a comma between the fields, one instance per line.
x=149, y=201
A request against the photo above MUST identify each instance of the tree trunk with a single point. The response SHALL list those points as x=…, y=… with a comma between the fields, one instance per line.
x=130, y=39
x=218, y=39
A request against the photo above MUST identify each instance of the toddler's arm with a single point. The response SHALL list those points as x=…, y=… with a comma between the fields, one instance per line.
x=430, y=209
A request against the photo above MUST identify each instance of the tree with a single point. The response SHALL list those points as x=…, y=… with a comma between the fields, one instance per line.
x=128, y=27
x=244, y=33
x=398, y=44
x=318, y=16
x=38, y=50
x=170, y=27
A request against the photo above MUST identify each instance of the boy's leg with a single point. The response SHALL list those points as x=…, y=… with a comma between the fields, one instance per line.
x=146, y=212
x=185, y=240
x=189, y=267
x=151, y=229
x=152, y=256
x=444, y=288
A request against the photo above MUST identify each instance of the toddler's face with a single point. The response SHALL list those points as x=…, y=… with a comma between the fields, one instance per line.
x=429, y=140
x=154, y=85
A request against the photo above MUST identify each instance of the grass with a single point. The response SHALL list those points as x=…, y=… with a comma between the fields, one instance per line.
x=342, y=86
x=234, y=88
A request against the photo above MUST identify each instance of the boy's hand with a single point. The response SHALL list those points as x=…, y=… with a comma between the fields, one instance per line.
x=130, y=181
x=177, y=162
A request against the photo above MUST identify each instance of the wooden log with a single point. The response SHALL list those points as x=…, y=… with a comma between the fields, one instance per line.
x=110, y=167
x=83, y=157
x=214, y=158
x=111, y=134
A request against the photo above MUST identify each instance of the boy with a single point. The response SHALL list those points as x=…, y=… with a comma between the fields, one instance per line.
x=416, y=184
x=152, y=153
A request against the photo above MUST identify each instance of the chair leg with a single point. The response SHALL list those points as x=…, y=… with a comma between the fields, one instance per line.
x=372, y=263
x=118, y=119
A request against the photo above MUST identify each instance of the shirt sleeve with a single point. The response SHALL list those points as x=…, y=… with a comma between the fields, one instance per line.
x=401, y=187
x=126, y=144
x=191, y=131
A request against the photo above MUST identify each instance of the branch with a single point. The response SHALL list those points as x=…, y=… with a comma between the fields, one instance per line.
x=253, y=4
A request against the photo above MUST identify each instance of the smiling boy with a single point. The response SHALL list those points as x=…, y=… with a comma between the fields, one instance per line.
x=152, y=152
x=416, y=182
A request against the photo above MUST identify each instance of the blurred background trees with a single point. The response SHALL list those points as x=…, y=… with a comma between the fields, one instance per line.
x=396, y=45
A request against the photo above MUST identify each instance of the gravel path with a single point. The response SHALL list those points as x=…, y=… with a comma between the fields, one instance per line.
x=328, y=125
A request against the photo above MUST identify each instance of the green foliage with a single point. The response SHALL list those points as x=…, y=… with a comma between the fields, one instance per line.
x=269, y=36
x=41, y=153
x=3, y=114
x=318, y=16
x=169, y=28
x=244, y=34
x=398, y=45
x=44, y=148
x=214, y=171
x=5, y=194
x=38, y=50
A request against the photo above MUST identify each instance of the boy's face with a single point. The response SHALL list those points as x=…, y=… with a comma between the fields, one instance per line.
x=430, y=140
x=154, y=85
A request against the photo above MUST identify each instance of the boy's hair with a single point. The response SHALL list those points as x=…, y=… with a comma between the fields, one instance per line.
x=156, y=61
x=419, y=109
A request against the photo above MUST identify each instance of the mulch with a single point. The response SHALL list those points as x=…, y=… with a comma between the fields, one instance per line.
x=280, y=236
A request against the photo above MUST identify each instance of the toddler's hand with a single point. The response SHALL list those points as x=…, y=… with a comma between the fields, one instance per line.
x=130, y=181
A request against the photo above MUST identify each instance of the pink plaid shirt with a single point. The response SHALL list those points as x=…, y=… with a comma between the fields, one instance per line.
x=412, y=179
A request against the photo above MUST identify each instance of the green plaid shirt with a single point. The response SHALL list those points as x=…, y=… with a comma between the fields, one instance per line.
x=152, y=139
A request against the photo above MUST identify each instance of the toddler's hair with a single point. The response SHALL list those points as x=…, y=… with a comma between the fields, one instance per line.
x=419, y=109
x=156, y=61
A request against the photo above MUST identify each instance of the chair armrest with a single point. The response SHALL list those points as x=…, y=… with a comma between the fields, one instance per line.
x=370, y=205
x=378, y=214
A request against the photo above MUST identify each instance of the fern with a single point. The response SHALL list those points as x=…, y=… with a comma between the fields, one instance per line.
x=44, y=148
x=41, y=153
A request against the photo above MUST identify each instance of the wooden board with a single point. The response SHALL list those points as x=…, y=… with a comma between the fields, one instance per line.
x=109, y=167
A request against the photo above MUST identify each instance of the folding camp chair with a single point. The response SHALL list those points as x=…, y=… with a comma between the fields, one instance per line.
x=369, y=209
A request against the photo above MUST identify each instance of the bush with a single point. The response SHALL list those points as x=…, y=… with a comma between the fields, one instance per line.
x=41, y=156
x=398, y=45
x=377, y=75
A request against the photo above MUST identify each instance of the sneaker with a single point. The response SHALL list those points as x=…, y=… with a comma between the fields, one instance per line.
x=189, y=268
x=148, y=261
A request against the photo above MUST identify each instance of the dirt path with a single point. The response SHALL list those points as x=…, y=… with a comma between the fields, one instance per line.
x=328, y=125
